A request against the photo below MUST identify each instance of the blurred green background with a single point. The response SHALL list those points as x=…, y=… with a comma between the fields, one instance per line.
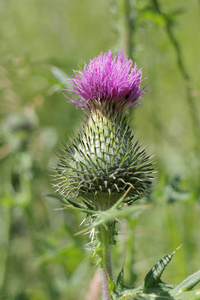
x=41, y=42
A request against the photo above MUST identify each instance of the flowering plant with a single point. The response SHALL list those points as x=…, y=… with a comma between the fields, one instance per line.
x=105, y=168
x=108, y=78
x=105, y=160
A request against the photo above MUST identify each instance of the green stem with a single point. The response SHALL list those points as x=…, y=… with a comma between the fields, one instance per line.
x=104, y=238
x=106, y=250
x=105, y=286
x=182, y=68
x=127, y=11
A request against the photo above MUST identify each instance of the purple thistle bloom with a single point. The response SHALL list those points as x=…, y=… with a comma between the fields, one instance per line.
x=108, y=78
x=104, y=160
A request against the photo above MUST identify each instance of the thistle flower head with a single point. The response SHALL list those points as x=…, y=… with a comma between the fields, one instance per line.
x=108, y=78
x=104, y=160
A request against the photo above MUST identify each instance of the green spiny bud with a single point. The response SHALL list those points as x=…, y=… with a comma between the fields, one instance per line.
x=104, y=160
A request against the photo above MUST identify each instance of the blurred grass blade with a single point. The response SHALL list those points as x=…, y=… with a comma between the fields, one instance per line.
x=59, y=75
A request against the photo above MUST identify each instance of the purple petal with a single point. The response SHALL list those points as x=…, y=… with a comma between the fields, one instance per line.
x=107, y=78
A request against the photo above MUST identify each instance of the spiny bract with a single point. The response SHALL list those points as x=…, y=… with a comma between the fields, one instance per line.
x=104, y=161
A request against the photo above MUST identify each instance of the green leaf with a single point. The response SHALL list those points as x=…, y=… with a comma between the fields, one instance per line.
x=120, y=279
x=60, y=198
x=192, y=295
x=111, y=285
x=153, y=276
x=110, y=215
x=74, y=205
x=158, y=294
x=188, y=283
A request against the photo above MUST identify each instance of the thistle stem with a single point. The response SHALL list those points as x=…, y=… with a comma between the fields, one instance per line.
x=106, y=250
x=106, y=272
x=104, y=285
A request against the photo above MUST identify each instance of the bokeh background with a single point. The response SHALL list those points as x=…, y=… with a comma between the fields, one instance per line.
x=41, y=42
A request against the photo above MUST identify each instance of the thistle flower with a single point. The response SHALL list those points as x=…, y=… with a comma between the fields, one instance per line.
x=104, y=160
x=108, y=78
